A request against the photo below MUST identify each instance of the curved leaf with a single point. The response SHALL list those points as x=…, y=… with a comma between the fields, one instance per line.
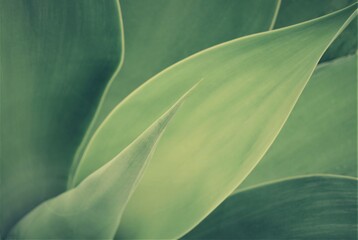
x=320, y=136
x=53, y=53
x=93, y=209
x=161, y=32
x=311, y=207
x=249, y=86
x=293, y=11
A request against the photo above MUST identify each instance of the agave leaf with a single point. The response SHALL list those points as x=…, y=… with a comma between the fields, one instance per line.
x=249, y=86
x=160, y=33
x=169, y=31
x=93, y=209
x=53, y=53
x=293, y=11
x=310, y=207
x=321, y=129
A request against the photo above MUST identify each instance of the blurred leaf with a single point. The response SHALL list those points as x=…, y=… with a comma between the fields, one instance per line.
x=93, y=209
x=294, y=11
x=56, y=57
x=159, y=33
x=249, y=86
x=311, y=207
x=320, y=136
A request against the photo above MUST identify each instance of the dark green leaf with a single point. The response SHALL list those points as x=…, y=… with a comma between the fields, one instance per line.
x=296, y=11
x=312, y=207
x=56, y=58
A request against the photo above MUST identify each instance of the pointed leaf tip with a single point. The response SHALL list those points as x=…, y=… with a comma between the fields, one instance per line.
x=93, y=209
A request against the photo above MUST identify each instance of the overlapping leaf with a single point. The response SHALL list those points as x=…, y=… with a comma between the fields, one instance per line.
x=312, y=207
x=56, y=57
x=249, y=86
x=293, y=11
x=93, y=209
x=159, y=33
x=320, y=136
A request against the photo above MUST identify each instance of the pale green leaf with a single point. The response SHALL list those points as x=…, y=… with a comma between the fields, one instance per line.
x=93, y=209
x=320, y=136
x=56, y=58
x=249, y=86
x=311, y=207
x=293, y=11
x=159, y=33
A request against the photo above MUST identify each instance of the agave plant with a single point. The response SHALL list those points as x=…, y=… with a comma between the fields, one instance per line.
x=173, y=119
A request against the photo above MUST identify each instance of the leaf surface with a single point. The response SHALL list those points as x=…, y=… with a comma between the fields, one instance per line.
x=320, y=136
x=293, y=11
x=93, y=209
x=56, y=58
x=159, y=33
x=249, y=86
x=310, y=207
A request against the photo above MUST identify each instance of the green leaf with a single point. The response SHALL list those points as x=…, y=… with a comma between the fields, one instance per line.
x=56, y=57
x=159, y=33
x=93, y=209
x=293, y=11
x=249, y=86
x=320, y=136
x=310, y=207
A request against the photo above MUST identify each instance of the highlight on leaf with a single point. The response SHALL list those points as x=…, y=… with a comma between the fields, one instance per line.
x=321, y=129
x=84, y=214
x=264, y=146
x=267, y=73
